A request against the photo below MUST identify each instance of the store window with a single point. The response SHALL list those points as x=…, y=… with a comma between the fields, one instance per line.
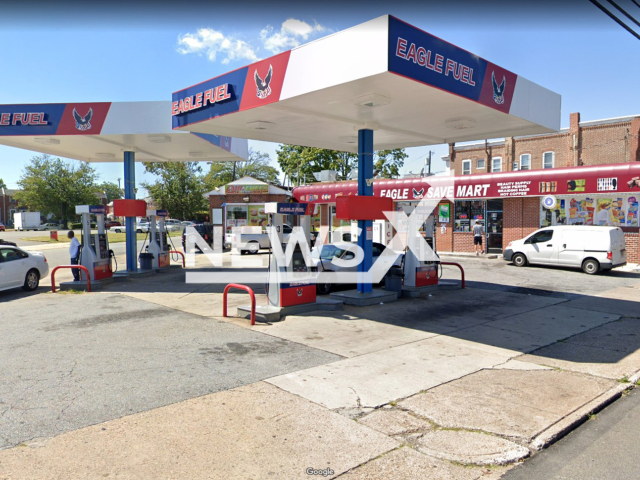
x=496, y=164
x=237, y=216
x=548, y=160
x=466, y=167
x=481, y=164
x=609, y=210
x=525, y=161
x=466, y=214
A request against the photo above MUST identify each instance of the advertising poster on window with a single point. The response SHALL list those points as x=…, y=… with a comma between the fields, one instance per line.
x=443, y=214
x=257, y=217
x=611, y=211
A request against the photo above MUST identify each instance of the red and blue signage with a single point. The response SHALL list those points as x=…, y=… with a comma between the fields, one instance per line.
x=420, y=56
x=53, y=119
x=245, y=88
x=294, y=208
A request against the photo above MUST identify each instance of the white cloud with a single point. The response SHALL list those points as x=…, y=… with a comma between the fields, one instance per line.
x=216, y=45
x=213, y=43
x=291, y=33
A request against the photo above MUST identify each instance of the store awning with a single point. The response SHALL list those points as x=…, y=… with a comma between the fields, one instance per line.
x=101, y=132
x=408, y=86
x=605, y=179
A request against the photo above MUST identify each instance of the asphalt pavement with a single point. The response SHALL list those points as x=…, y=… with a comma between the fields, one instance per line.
x=604, y=448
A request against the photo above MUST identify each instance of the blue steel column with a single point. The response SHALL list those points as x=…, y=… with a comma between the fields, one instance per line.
x=365, y=170
x=130, y=222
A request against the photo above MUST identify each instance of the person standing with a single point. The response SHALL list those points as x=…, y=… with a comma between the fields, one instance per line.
x=74, y=253
x=478, y=233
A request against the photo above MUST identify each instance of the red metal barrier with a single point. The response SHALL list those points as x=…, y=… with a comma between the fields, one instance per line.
x=182, y=254
x=79, y=267
x=456, y=265
x=241, y=287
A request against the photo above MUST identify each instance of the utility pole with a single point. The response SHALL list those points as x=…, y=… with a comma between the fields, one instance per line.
x=119, y=188
x=428, y=163
x=234, y=172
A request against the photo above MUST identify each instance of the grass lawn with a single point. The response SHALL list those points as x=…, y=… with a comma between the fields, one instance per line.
x=113, y=238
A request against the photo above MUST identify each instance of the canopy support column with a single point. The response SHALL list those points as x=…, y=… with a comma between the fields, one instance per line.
x=365, y=237
x=130, y=222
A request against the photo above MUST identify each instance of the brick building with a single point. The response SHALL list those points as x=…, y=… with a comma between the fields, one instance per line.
x=8, y=206
x=241, y=203
x=587, y=167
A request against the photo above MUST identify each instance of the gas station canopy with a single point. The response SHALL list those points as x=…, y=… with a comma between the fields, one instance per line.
x=385, y=75
x=101, y=132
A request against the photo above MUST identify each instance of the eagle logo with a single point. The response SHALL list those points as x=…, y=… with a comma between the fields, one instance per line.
x=498, y=90
x=263, y=88
x=418, y=193
x=83, y=123
x=299, y=291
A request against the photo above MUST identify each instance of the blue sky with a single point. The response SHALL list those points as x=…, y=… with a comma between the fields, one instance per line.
x=133, y=51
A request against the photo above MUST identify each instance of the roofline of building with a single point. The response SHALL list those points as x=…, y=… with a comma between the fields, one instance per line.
x=588, y=123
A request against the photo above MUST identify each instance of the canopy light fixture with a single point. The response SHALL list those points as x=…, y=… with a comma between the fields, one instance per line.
x=371, y=100
x=47, y=141
x=460, y=123
x=349, y=139
x=159, y=138
x=260, y=125
x=196, y=154
x=105, y=155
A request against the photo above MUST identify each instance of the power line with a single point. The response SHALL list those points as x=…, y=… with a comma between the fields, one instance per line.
x=638, y=4
x=623, y=12
x=616, y=19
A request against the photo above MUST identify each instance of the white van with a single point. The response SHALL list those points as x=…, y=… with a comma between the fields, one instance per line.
x=588, y=247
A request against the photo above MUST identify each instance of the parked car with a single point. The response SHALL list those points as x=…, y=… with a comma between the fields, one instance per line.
x=112, y=223
x=324, y=260
x=590, y=248
x=2, y=228
x=7, y=242
x=254, y=242
x=205, y=231
x=142, y=226
x=173, y=225
x=49, y=226
x=21, y=269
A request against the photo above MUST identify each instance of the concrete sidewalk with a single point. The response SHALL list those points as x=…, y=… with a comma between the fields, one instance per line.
x=459, y=385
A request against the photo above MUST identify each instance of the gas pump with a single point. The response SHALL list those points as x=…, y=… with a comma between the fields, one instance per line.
x=158, y=245
x=419, y=273
x=95, y=255
x=292, y=284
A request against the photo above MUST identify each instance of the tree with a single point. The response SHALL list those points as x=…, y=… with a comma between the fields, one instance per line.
x=52, y=186
x=111, y=190
x=257, y=166
x=180, y=188
x=2, y=184
x=299, y=163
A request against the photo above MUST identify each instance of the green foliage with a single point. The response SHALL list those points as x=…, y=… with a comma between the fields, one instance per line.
x=179, y=189
x=2, y=184
x=257, y=166
x=300, y=163
x=52, y=186
x=111, y=190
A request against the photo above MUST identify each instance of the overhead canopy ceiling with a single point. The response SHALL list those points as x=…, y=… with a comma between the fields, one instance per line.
x=102, y=132
x=410, y=87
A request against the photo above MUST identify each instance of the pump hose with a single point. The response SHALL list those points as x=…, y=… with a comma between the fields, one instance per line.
x=174, y=256
x=146, y=236
x=113, y=255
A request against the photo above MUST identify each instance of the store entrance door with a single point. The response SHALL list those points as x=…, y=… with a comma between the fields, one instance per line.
x=494, y=226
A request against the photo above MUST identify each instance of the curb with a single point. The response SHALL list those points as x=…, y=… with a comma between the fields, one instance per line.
x=578, y=417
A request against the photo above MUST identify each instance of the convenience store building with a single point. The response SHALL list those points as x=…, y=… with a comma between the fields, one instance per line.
x=510, y=204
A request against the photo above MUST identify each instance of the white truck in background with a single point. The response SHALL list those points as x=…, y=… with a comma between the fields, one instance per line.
x=26, y=221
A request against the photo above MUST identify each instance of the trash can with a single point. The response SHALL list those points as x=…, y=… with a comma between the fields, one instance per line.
x=146, y=261
x=393, y=280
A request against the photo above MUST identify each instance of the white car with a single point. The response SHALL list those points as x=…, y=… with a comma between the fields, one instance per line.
x=21, y=269
x=49, y=226
x=118, y=229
